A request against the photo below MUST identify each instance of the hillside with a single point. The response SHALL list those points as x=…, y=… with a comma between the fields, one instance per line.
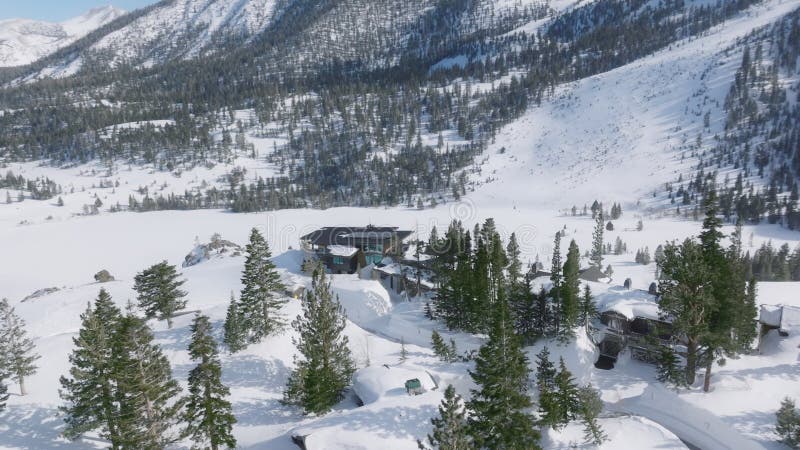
x=404, y=115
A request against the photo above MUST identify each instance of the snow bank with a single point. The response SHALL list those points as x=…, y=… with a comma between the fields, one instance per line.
x=624, y=433
x=579, y=355
x=364, y=301
x=692, y=424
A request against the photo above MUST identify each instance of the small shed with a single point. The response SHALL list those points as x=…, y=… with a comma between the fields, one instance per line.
x=414, y=387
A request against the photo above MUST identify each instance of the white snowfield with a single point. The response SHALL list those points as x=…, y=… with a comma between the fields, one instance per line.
x=611, y=137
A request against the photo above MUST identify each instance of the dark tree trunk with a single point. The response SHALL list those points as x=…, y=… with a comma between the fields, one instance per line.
x=691, y=361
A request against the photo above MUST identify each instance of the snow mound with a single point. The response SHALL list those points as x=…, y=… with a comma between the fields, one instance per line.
x=374, y=383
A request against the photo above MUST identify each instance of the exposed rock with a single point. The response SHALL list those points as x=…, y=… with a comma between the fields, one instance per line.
x=217, y=248
x=41, y=293
x=103, y=276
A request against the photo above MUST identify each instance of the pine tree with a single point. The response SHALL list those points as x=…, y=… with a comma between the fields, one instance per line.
x=590, y=408
x=326, y=365
x=557, y=279
x=450, y=428
x=514, y=268
x=3, y=392
x=260, y=300
x=565, y=398
x=17, y=355
x=208, y=415
x=546, y=384
x=730, y=324
x=524, y=310
x=88, y=390
x=158, y=292
x=453, y=351
x=403, y=351
x=668, y=368
x=788, y=423
x=146, y=394
x=588, y=308
x=686, y=296
x=234, y=332
x=498, y=407
x=545, y=371
x=570, y=291
x=596, y=255
x=440, y=349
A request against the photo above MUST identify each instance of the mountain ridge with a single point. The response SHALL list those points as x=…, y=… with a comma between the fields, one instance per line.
x=23, y=41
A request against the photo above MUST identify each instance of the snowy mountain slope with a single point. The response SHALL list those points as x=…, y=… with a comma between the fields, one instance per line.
x=24, y=41
x=286, y=34
x=626, y=129
x=184, y=28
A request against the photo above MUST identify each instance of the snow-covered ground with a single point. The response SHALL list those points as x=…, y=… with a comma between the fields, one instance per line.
x=65, y=254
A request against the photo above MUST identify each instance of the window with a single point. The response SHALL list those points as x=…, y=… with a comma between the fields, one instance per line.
x=338, y=260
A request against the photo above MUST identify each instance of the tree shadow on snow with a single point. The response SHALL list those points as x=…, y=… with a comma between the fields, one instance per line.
x=249, y=371
x=28, y=428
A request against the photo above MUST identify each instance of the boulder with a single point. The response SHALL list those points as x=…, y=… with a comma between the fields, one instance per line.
x=103, y=276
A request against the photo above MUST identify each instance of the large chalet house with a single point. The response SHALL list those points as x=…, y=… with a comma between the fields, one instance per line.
x=346, y=249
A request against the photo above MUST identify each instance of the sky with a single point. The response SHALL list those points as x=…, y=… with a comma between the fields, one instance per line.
x=58, y=10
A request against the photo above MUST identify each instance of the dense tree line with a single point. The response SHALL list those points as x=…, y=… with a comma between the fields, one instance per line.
x=770, y=264
x=471, y=268
x=41, y=188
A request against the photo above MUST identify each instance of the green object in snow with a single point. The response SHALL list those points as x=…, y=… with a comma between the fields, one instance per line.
x=414, y=387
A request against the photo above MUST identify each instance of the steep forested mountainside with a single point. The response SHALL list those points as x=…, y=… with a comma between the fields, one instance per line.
x=362, y=102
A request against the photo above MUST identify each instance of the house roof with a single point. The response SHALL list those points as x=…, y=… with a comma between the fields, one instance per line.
x=348, y=235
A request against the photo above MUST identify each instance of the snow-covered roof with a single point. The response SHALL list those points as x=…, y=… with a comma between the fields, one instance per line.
x=342, y=250
x=632, y=307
